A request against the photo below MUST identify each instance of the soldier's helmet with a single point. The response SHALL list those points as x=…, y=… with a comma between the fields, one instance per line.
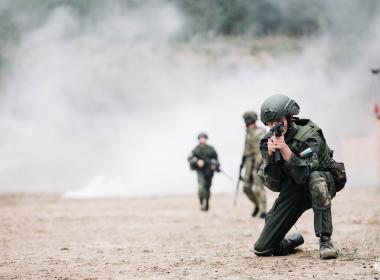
x=202, y=135
x=278, y=106
x=249, y=117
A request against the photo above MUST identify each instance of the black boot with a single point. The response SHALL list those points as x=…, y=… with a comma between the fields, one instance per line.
x=255, y=211
x=288, y=244
x=201, y=203
x=263, y=215
x=204, y=205
x=326, y=249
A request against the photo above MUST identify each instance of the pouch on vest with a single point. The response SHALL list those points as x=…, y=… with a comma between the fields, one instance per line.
x=338, y=171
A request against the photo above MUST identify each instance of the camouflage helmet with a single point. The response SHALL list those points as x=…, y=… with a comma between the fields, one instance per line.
x=202, y=135
x=249, y=117
x=278, y=106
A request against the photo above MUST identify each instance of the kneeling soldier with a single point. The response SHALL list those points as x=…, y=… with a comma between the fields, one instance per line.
x=299, y=165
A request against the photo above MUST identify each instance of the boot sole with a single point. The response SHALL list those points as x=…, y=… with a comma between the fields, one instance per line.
x=329, y=256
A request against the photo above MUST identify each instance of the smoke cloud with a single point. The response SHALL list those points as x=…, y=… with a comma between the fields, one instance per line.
x=110, y=102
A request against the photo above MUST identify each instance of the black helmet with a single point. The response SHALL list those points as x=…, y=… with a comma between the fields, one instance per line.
x=250, y=117
x=202, y=134
x=278, y=106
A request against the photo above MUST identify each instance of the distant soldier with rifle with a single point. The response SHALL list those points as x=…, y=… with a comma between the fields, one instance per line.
x=253, y=185
x=204, y=160
x=299, y=165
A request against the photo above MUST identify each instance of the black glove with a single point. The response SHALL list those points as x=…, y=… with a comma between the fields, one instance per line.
x=215, y=163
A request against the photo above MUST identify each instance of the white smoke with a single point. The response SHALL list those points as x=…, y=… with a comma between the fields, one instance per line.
x=111, y=103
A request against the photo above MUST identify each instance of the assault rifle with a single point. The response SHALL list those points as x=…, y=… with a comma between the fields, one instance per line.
x=277, y=131
x=239, y=179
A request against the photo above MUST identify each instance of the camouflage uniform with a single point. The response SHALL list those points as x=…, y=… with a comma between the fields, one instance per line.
x=205, y=174
x=303, y=183
x=253, y=185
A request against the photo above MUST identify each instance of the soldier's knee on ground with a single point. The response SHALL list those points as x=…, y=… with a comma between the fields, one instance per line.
x=319, y=191
x=262, y=251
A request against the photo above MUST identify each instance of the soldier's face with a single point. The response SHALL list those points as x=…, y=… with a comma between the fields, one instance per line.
x=202, y=140
x=282, y=120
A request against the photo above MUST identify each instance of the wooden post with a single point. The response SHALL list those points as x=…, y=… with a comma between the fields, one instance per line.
x=377, y=114
x=375, y=77
x=378, y=149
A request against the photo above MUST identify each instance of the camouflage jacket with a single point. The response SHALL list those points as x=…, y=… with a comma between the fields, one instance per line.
x=206, y=153
x=302, y=134
x=252, y=141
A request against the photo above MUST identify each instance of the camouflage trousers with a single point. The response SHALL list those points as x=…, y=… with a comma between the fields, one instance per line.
x=292, y=201
x=253, y=185
x=204, y=184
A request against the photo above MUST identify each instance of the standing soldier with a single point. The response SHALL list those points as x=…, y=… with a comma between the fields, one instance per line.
x=253, y=185
x=204, y=160
x=298, y=164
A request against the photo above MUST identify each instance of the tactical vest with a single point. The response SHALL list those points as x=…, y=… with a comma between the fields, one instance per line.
x=305, y=130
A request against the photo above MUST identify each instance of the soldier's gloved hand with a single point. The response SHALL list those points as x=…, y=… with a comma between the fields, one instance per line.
x=280, y=144
x=271, y=146
x=215, y=165
x=243, y=159
x=218, y=168
x=200, y=163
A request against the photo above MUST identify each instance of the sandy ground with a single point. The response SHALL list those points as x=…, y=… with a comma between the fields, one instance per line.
x=49, y=237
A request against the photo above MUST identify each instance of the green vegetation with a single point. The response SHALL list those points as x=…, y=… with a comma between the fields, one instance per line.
x=256, y=17
x=210, y=18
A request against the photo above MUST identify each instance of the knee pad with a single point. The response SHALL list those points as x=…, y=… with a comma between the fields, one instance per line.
x=319, y=191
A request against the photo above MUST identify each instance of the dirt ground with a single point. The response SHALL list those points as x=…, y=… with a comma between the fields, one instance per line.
x=50, y=237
